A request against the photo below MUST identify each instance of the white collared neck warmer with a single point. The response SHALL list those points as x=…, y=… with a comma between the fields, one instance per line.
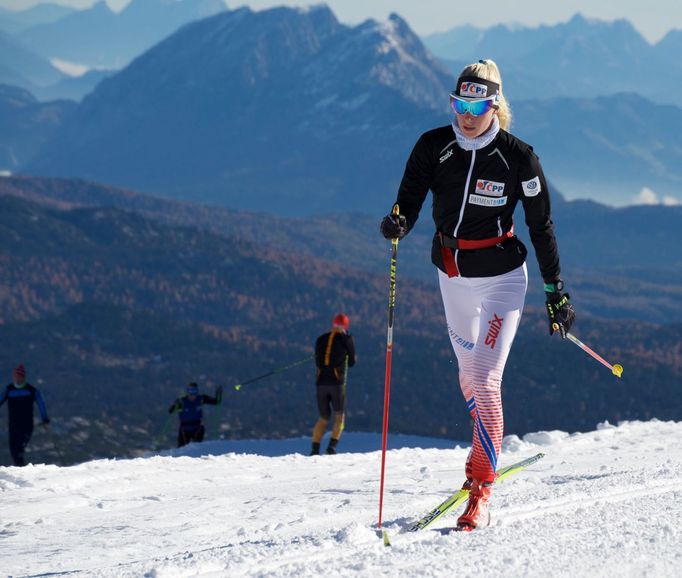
x=480, y=141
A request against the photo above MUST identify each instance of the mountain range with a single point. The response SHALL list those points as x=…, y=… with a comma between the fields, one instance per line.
x=273, y=109
x=605, y=148
x=14, y=21
x=292, y=112
x=114, y=300
x=26, y=124
x=563, y=55
x=643, y=281
x=100, y=37
x=580, y=58
x=34, y=41
x=22, y=67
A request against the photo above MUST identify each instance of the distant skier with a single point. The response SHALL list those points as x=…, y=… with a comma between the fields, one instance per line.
x=191, y=413
x=20, y=397
x=477, y=173
x=334, y=353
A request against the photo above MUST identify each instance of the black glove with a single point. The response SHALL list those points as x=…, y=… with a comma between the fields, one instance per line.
x=560, y=312
x=393, y=226
x=46, y=421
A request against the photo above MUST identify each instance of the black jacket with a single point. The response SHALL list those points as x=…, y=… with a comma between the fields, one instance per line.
x=474, y=196
x=191, y=412
x=331, y=351
x=20, y=402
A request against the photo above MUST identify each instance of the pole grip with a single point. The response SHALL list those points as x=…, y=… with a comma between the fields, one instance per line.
x=616, y=369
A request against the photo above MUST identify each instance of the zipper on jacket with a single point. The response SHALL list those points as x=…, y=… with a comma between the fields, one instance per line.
x=465, y=198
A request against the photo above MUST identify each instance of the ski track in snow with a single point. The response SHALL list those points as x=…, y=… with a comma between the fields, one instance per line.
x=602, y=503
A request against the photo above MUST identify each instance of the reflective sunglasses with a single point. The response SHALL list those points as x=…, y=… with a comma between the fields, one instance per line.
x=473, y=107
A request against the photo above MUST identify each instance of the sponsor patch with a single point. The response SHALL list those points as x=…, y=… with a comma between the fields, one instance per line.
x=493, y=331
x=491, y=188
x=487, y=201
x=531, y=188
x=446, y=156
x=473, y=90
x=460, y=340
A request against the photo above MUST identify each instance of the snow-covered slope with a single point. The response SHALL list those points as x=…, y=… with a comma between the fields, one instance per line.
x=603, y=503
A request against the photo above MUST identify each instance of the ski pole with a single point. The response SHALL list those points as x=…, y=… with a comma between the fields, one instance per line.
x=278, y=370
x=158, y=438
x=51, y=435
x=616, y=368
x=389, y=352
x=219, y=411
x=343, y=392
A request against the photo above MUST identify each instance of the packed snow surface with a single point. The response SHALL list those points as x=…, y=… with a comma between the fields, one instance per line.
x=603, y=503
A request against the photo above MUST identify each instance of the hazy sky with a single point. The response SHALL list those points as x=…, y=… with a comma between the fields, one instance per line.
x=652, y=18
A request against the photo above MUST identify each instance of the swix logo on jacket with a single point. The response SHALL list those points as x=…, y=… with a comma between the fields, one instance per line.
x=474, y=195
x=446, y=156
x=494, y=330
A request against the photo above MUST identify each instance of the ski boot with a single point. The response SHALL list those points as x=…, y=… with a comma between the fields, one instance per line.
x=476, y=514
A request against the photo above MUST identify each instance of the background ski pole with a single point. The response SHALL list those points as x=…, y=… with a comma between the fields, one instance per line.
x=159, y=438
x=51, y=434
x=278, y=370
x=219, y=412
x=389, y=352
x=616, y=369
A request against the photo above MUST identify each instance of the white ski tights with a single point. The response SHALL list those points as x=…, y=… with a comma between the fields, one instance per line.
x=483, y=314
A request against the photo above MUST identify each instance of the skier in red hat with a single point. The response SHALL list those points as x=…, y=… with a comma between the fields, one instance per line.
x=20, y=396
x=334, y=354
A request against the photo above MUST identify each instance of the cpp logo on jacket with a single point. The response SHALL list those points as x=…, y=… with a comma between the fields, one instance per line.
x=531, y=188
x=473, y=90
x=492, y=188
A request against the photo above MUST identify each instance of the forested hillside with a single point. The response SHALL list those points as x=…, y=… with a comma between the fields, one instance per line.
x=114, y=311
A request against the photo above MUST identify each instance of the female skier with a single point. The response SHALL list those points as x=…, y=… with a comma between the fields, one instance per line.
x=477, y=172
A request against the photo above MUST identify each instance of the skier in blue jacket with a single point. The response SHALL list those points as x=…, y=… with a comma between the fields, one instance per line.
x=20, y=396
x=191, y=413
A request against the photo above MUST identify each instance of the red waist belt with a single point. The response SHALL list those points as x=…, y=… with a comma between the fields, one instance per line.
x=448, y=243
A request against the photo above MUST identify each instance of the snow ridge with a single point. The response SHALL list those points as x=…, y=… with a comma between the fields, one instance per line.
x=602, y=503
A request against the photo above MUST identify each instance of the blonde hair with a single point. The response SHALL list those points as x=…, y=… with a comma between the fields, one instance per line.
x=488, y=70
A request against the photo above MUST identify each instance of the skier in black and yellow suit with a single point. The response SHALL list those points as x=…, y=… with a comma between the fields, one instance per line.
x=334, y=352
